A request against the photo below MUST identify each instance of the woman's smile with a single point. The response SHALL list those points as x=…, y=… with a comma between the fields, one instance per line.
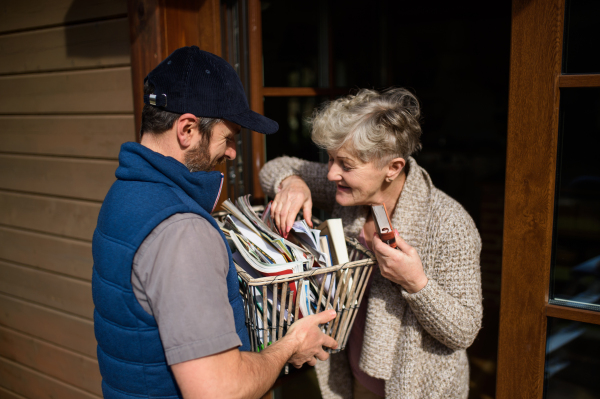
x=343, y=188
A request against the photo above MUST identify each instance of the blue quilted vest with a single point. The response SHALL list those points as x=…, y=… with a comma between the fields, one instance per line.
x=149, y=188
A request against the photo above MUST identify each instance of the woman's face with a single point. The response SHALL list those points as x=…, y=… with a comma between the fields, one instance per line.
x=358, y=183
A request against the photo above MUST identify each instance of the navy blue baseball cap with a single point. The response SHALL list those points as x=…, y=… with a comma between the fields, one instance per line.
x=203, y=84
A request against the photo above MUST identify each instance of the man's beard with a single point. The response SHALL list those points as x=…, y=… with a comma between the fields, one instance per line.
x=198, y=158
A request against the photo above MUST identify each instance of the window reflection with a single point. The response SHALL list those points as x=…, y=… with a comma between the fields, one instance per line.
x=576, y=265
x=572, y=360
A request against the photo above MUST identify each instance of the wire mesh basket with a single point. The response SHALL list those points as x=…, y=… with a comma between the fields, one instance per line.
x=349, y=280
x=283, y=309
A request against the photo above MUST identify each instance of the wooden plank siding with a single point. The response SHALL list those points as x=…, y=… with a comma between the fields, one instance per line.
x=60, y=363
x=96, y=91
x=54, y=291
x=68, y=177
x=93, y=136
x=47, y=252
x=30, y=14
x=46, y=214
x=6, y=394
x=71, y=332
x=64, y=48
x=33, y=384
x=66, y=108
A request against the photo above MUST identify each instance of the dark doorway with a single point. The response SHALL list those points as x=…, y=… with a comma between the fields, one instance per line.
x=455, y=57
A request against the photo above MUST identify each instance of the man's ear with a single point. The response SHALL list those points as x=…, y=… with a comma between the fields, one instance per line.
x=187, y=126
x=395, y=167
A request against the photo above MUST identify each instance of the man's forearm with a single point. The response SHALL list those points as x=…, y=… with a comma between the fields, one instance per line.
x=235, y=374
x=258, y=371
x=303, y=344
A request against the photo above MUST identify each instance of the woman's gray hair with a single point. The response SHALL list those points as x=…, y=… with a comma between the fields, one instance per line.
x=377, y=126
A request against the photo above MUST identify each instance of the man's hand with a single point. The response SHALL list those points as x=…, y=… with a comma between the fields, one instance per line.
x=234, y=374
x=293, y=195
x=309, y=339
x=403, y=267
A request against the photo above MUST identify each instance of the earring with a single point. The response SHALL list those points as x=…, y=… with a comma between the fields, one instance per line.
x=388, y=179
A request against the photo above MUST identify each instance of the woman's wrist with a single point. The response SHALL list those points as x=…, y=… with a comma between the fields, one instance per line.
x=287, y=180
x=417, y=285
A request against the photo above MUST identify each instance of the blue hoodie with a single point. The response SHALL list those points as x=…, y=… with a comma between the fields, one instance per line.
x=149, y=188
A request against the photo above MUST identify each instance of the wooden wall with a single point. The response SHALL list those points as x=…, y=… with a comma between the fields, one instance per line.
x=65, y=108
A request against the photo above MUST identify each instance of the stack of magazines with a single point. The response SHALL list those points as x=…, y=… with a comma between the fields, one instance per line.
x=261, y=251
x=258, y=246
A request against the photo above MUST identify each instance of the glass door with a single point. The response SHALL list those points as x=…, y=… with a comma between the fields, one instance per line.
x=550, y=311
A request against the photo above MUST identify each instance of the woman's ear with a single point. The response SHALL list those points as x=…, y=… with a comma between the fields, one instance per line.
x=187, y=126
x=395, y=167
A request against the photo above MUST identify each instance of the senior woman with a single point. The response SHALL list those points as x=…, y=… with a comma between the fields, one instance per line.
x=423, y=308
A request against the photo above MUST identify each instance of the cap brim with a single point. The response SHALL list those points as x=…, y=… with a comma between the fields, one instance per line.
x=255, y=122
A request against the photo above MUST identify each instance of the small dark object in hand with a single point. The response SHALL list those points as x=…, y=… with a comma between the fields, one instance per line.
x=383, y=224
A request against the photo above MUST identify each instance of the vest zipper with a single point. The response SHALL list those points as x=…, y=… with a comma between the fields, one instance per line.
x=219, y=194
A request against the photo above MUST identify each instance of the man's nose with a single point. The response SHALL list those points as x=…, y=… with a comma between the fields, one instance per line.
x=230, y=152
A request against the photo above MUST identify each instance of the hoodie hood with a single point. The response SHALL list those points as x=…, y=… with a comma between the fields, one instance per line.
x=138, y=163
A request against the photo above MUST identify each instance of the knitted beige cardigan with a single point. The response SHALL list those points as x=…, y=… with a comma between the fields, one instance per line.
x=415, y=342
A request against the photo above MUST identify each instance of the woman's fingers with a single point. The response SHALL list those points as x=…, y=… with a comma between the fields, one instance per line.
x=381, y=247
x=403, y=267
x=307, y=210
x=402, y=245
x=294, y=195
x=276, y=211
x=280, y=210
x=288, y=214
x=285, y=209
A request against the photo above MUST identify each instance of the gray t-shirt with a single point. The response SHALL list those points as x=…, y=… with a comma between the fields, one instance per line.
x=179, y=276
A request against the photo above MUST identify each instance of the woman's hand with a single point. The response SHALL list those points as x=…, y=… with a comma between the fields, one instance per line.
x=293, y=195
x=402, y=267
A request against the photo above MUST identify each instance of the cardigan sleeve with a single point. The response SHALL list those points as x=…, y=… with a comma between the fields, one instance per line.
x=314, y=175
x=449, y=307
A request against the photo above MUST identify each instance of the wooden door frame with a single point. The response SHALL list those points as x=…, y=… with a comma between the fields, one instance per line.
x=159, y=27
x=256, y=92
x=532, y=146
x=529, y=197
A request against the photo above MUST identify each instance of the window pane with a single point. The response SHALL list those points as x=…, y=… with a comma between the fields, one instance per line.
x=290, y=31
x=576, y=261
x=360, y=36
x=572, y=360
x=582, y=37
x=293, y=137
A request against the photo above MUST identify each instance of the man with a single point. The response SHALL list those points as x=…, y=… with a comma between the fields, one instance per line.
x=169, y=319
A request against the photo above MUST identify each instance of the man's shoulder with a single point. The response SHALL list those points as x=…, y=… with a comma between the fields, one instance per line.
x=132, y=209
x=140, y=193
x=188, y=223
x=181, y=234
x=183, y=218
x=132, y=200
